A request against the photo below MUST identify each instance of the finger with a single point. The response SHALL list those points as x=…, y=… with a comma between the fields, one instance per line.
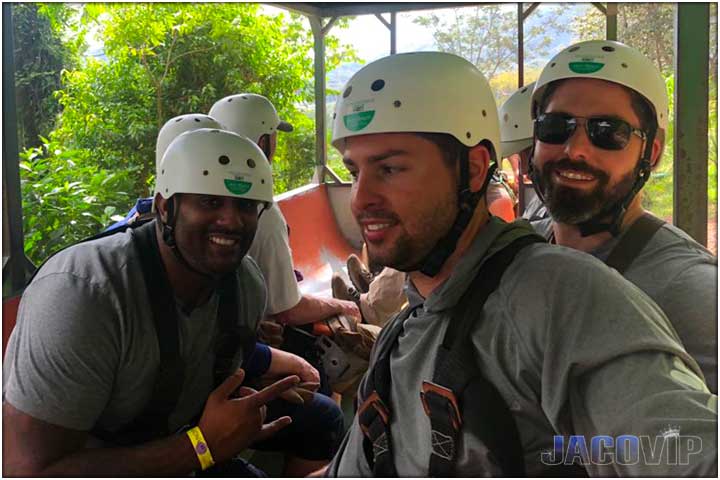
x=270, y=429
x=292, y=396
x=312, y=386
x=243, y=392
x=271, y=392
x=230, y=384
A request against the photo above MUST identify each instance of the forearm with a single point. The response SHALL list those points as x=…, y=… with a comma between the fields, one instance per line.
x=312, y=309
x=167, y=457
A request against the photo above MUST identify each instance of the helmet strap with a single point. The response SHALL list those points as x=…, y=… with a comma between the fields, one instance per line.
x=467, y=202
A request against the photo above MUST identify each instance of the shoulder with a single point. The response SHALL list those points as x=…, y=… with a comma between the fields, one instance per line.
x=97, y=262
x=272, y=223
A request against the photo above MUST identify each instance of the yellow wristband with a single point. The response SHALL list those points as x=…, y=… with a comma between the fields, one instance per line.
x=201, y=447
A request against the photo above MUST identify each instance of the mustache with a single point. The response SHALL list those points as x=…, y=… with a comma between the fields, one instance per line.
x=375, y=215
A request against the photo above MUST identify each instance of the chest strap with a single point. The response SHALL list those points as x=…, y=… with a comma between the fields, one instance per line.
x=456, y=367
x=633, y=242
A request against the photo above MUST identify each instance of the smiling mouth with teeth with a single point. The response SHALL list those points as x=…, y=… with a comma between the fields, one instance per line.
x=377, y=226
x=226, y=242
x=574, y=175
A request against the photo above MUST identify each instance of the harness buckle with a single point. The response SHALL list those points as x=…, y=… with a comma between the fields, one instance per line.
x=372, y=406
x=434, y=394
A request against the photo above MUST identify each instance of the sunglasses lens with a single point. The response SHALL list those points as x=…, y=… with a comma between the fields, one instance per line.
x=609, y=133
x=554, y=129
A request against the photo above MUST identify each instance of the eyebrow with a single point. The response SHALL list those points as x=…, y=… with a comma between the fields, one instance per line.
x=377, y=158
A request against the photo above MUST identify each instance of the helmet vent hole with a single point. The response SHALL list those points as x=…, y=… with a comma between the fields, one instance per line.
x=163, y=172
x=263, y=122
x=516, y=126
x=251, y=163
x=468, y=134
x=244, y=97
x=262, y=180
x=224, y=160
x=484, y=113
x=523, y=90
x=197, y=120
x=624, y=65
x=608, y=48
x=166, y=190
x=574, y=49
x=377, y=85
x=205, y=172
x=552, y=65
x=347, y=92
x=334, y=115
x=230, y=100
x=178, y=120
x=397, y=103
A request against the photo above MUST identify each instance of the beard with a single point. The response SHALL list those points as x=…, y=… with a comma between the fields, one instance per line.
x=417, y=238
x=573, y=206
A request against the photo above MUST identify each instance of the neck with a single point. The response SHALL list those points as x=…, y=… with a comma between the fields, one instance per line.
x=192, y=289
x=569, y=235
x=426, y=285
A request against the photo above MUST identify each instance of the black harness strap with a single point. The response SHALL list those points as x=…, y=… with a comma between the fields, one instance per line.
x=633, y=242
x=455, y=368
x=153, y=420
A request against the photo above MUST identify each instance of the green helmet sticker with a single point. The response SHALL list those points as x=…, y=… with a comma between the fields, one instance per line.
x=358, y=121
x=238, y=187
x=585, y=67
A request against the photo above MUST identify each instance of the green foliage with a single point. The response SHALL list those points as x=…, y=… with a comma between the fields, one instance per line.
x=162, y=60
x=40, y=54
x=645, y=26
x=67, y=197
x=487, y=35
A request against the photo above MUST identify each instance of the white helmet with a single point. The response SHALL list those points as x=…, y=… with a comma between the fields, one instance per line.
x=249, y=115
x=516, y=125
x=178, y=125
x=429, y=92
x=611, y=61
x=215, y=162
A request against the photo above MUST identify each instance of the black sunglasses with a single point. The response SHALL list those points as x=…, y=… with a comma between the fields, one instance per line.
x=604, y=132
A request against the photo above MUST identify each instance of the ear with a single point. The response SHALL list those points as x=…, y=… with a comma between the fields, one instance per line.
x=479, y=163
x=657, y=151
x=161, y=206
x=264, y=144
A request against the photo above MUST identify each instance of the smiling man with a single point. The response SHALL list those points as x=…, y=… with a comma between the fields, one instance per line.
x=601, y=112
x=507, y=341
x=126, y=356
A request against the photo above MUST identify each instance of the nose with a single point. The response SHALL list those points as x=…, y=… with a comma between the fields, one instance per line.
x=234, y=216
x=364, y=194
x=578, y=146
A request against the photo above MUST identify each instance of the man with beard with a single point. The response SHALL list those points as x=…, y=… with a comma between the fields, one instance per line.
x=132, y=352
x=601, y=111
x=507, y=341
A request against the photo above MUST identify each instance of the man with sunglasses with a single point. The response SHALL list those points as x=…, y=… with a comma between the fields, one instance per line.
x=601, y=111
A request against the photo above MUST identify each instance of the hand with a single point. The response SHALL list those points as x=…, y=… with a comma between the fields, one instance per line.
x=350, y=309
x=270, y=333
x=234, y=416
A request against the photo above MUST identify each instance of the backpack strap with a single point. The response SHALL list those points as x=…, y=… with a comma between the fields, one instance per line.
x=456, y=367
x=633, y=242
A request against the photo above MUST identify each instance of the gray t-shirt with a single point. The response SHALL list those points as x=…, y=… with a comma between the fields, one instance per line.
x=84, y=351
x=571, y=346
x=681, y=276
